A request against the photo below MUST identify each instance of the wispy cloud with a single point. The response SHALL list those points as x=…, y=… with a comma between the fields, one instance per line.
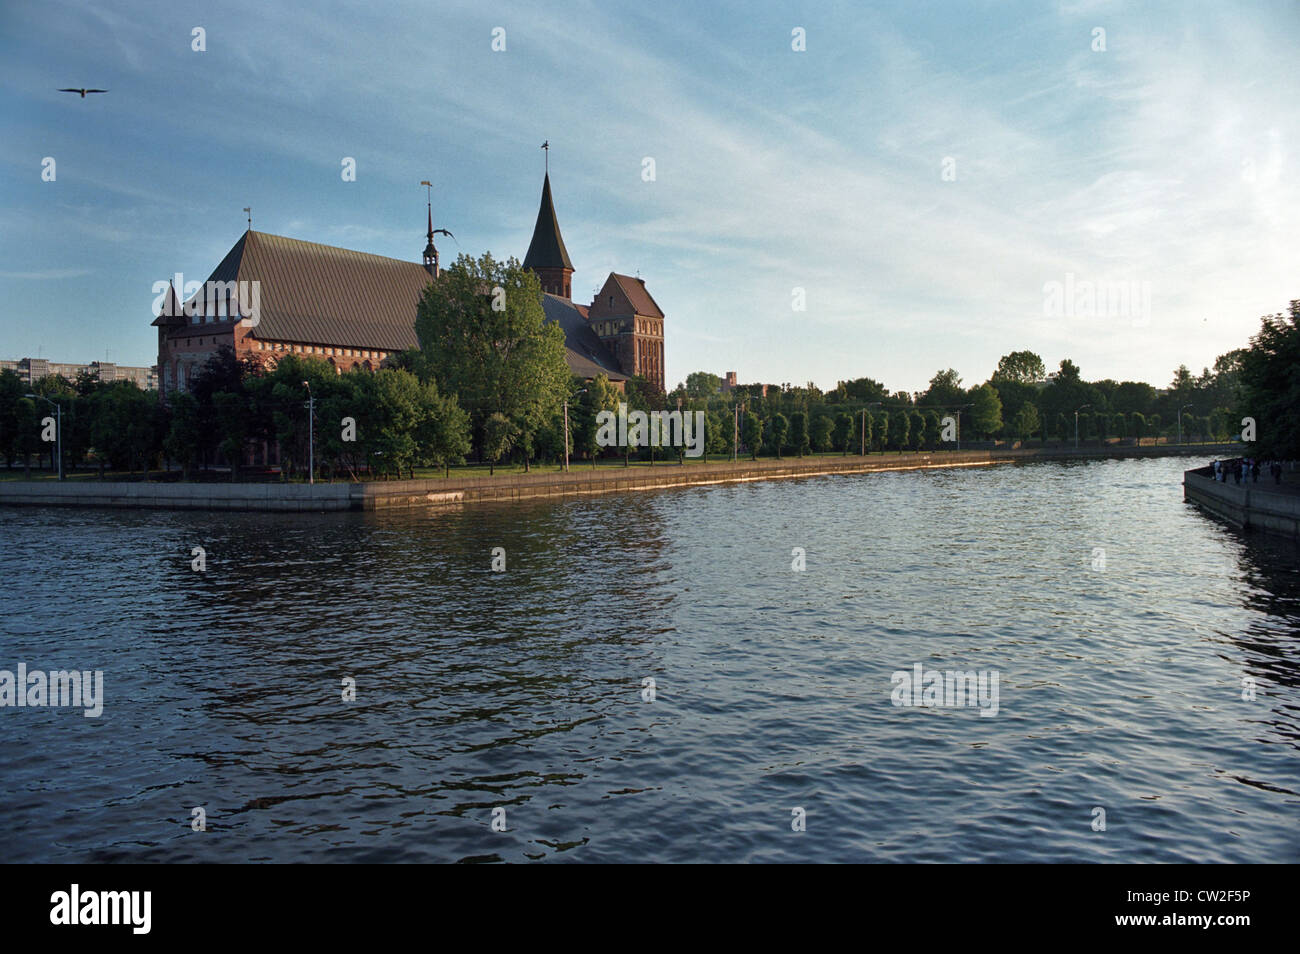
x=1168, y=158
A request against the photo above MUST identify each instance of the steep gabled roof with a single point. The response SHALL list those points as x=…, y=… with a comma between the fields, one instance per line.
x=320, y=293
x=170, y=313
x=635, y=290
x=586, y=355
x=547, y=250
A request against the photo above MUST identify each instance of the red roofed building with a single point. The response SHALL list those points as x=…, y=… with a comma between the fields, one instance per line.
x=271, y=296
x=624, y=318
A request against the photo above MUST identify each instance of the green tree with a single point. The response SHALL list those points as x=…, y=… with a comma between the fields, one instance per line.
x=1137, y=425
x=486, y=339
x=916, y=429
x=702, y=384
x=752, y=433
x=823, y=427
x=230, y=419
x=945, y=390
x=182, y=441
x=1026, y=422
x=1022, y=367
x=899, y=429
x=986, y=410
x=498, y=437
x=843, y=435
x=1270, y=385
x=778, y=429
x=933, y=429
x=799, y=437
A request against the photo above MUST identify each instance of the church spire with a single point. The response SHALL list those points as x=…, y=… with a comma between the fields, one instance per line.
x=430, y=252
x=547, y=256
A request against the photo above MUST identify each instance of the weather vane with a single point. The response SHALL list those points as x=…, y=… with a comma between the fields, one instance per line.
x=546, y=147
x=249, y=210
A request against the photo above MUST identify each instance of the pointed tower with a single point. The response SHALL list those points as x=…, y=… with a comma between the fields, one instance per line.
x=547, y=257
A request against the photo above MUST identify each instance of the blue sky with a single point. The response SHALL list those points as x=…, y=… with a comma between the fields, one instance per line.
x=1169, y=158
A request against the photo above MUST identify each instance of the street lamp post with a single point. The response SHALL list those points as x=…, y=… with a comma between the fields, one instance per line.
x=1180, y=421
x=1076, y=424
x=58, y=428
x=311, y=434
x=566, y=428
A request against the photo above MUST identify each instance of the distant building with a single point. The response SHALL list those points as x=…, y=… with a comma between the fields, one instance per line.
x=352, y=309
x=624, y=319
x=32, y=370
x=728, y=383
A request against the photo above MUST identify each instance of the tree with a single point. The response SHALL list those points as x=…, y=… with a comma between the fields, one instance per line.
x=843, y=435
x=498, y=438
x=600, y=396
x=487, y=340
x=443, y=431
x=1270, y=386
x=752, y=433
x=986, y=410
x=878, y=426
x=230, y=420
x=945, y=390
x=863, y=390
x=916, y=429
x=778, y=429
x=823, y=427
x=1026, y=423
x=1137, y=425
x=702, y=384
x=933, y=429
x=799, y=438
x=182, y=440
x=1020, y=367
x=899, y=428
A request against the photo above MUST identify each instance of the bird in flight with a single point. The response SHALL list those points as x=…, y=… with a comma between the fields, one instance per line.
x=83, y=92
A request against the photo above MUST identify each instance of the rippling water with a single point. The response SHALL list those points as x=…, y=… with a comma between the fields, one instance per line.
x=1119, y=688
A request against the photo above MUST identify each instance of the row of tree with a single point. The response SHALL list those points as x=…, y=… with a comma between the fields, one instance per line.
x=1019, y=401
x=490, y=381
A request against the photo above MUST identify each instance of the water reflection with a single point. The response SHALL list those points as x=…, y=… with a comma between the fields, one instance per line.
x=522, y=690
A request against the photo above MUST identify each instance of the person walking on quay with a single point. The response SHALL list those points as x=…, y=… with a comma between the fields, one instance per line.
x=1275, y=469
x=1218, y=470
x=1236, y=471
x=1254, y=471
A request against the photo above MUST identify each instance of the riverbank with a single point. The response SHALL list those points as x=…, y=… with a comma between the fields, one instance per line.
x=1249, y=505
x=375, y=495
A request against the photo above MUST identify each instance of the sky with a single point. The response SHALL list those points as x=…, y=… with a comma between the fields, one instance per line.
x=920, y=186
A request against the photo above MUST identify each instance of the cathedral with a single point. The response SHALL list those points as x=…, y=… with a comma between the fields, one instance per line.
x=352, y=309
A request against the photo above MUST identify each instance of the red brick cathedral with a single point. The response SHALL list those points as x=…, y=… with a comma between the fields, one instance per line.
x=355, y=309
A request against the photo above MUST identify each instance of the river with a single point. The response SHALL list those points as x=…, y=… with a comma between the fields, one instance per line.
x=1121, y=677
